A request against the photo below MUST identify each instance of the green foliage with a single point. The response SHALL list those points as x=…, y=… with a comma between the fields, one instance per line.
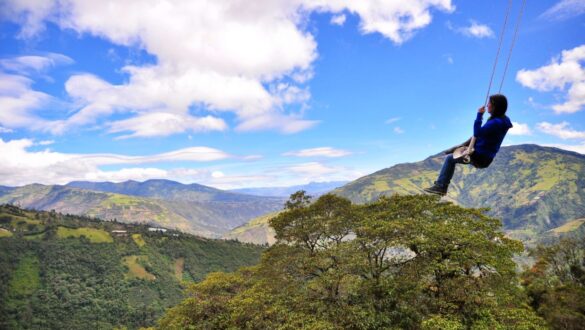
x=50, y=282
x=556, y=284
x=405, y=262
x=25, y=280
x=19, y=296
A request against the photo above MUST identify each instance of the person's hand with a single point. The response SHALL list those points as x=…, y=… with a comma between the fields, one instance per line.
x=481, y=109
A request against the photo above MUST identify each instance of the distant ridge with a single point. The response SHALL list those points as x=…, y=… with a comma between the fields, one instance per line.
x=163, y=189
x=193, y=208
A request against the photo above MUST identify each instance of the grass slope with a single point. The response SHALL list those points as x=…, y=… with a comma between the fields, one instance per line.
x=569, y=226
x=92, y=234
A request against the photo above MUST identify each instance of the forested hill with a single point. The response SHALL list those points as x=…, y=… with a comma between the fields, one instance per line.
x=69, y=272
x=531, y=188
x=193, y=208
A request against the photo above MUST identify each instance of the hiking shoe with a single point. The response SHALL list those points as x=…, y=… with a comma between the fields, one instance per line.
x=437, y=190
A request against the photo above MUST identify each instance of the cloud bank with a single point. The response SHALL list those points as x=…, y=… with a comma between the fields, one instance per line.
x=26, y=165
x=251, y=59
x=319, y=152
x=564, y=9
x=565, y=73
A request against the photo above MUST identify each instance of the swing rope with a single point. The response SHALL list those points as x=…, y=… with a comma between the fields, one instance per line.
x=466, y=154
x=512, y=45
x=498, y=52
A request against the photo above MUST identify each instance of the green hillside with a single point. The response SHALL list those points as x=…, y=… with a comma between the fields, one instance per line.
x=214, y=214
x=69, y=272
x=531, y=188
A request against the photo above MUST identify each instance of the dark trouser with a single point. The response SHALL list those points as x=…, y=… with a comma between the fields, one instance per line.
x=448, y=168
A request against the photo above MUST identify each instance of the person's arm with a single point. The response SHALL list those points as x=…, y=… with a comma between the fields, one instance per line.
x=488, y=129
x=478, y=121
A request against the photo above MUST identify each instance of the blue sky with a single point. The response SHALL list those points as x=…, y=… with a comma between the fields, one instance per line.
x=236, y=94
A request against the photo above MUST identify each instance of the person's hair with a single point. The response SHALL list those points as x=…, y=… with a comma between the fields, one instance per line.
x=499, y=105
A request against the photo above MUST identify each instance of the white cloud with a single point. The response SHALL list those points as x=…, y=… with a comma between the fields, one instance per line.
x=474, y=30
x=338, y=19
x=565, y=74
x=225, y=56
x=564, y=9
x=29, y=13
x=319, y=152
x=520, y=129
x=449, y=59
x=125, y=174
x=19, y=165
x=398, y=130
x=5, y=130
x=45, y=142
x=562, y=130
x=392, y=120
x=18, y=102
x=269, y=176
x=217, y=174
x=33, y=64
x=477, y=30
x=312, y=169
x=580, y=148
x=219, y=179
x=162, y=123
x=396, y=20
x=315, y=171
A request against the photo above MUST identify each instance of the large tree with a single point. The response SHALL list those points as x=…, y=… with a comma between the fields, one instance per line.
x=405, y=262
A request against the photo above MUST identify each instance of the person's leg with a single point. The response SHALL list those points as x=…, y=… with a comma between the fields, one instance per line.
x=442, y=184
x=447, y=172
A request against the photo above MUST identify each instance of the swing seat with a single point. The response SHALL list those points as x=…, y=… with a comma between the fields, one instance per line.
x=464, y=153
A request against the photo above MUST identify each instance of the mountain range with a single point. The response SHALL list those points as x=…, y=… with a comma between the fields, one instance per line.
x=534, y=190
x=192, y=208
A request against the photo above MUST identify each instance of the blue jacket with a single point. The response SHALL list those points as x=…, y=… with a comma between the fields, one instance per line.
x=489, y=137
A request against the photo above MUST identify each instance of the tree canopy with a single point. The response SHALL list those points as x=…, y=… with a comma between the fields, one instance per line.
x=401, y=262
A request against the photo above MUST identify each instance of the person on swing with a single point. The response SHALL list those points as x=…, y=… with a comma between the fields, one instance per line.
x=489, y=138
